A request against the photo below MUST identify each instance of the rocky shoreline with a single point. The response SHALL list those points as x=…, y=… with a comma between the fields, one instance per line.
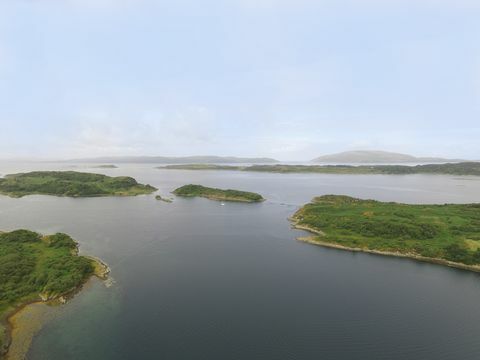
x=315, y=240
x=102, y=271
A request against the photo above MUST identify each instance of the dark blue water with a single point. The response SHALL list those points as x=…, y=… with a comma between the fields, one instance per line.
x=197, y=280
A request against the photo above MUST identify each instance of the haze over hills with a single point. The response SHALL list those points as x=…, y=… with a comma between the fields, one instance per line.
x=377, y=157
x=176, y=160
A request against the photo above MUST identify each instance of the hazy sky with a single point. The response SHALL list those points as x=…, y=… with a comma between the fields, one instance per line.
x=290, y=79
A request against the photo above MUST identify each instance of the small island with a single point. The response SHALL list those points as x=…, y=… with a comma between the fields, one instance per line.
x=71, y=183
x=37, y=268
x=218, y=194
x=160, y=198
x=445, y=234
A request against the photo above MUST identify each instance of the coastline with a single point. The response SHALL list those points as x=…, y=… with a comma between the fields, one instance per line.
x=8, y=321
x=314, y=240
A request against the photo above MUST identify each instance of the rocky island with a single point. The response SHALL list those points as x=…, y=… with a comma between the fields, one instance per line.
x=161, y=198
x=445, y=234
x=71, y=183
x=35, y=268
x=218, y=194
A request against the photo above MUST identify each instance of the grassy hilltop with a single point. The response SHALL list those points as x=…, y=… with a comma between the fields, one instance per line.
x=71, y=183
x=218, y=194
x=447, y=232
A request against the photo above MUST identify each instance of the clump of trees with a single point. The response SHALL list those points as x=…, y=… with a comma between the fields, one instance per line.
x=448, y=231
x=70, y=183
x=192, y=190
x=31, y=264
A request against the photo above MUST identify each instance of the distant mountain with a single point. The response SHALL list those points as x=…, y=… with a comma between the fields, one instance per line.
x=176, y=160
x=377, y=157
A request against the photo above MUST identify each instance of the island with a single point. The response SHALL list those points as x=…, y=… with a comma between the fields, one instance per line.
x=444, y=234
x=36, y=268
x=218, y=194
x=71, y=183
x=461, y=169
x=160, y=198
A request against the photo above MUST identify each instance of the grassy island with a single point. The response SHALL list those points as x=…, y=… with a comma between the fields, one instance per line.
x=71, y=183
x=218, y=194
x=39, y=268
x=447, y=234
x=464, y=168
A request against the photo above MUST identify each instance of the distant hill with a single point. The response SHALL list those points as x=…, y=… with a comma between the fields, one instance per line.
x=176, y=160
x=377, y=157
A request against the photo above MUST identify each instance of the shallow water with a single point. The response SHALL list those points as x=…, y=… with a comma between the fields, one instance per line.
x=197, y=280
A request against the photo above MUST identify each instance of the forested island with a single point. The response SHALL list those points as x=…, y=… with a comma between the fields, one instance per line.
x=447, y=234
x=39, y=268
x=71, y=183
x=218, y=194
x=465, y=168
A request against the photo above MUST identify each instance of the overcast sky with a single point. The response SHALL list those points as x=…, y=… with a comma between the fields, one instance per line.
x=290, y=79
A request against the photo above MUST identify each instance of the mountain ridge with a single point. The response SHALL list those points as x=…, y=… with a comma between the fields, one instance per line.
x=175, y=160
x=378, y=157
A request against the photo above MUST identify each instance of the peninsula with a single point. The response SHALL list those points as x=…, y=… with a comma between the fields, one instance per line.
x=39, y=268
x=218, y=194
x=465, y=168
x=445, y=234
x=71, y=183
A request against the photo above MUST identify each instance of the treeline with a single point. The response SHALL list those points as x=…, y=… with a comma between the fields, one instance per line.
x=192, y=190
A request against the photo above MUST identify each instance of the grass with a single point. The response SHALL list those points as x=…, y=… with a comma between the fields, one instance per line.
x=71, y=183
x=449, y=232
x=35, y=267
x=217, y=194
x=465, y=168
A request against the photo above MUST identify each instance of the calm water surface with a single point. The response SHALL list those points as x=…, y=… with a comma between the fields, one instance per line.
x=197, y=280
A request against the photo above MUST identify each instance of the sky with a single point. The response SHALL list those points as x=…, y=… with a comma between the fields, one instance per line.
x=289, y=79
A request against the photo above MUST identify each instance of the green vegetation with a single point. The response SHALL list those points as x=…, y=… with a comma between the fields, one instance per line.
x=201, y=167
x=465, y=168
x=71, y=183
x=218, y=194
x=321, y=169
x=35, y=267
x=447, y=232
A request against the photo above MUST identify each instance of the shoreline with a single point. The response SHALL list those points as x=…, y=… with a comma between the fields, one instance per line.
x=314, y=240
x=101, y=271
